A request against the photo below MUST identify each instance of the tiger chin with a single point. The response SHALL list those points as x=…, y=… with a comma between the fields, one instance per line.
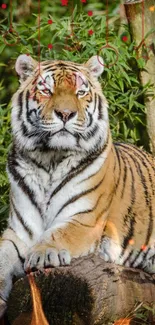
x=73, y=191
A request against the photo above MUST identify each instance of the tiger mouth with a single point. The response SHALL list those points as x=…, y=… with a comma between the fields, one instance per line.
x=62, y=132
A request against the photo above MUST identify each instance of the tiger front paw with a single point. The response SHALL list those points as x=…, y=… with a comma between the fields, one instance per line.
x=50, y=257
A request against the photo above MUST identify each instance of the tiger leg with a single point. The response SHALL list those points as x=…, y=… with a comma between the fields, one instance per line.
x=60, y=246
x=12, y=252
x=146, y=259
x=142, y=258
x=110, y=250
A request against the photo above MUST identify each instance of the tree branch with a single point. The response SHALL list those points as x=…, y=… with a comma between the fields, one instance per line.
x=90, y=291
x=141, y=18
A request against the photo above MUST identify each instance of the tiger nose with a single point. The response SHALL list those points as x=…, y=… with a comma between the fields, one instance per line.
x=65, y=115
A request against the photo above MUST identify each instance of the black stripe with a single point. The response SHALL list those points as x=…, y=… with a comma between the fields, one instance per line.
x=39, y=165
x=146, y=253
x=55, y=63
x=140, y=151
x=95, y=100
x=60, y=64
x=49, y=68
x=26, y=132
x=22, y=259
x=130, y=216
x=149, y=203
x=89, y=210
x=91, y=83
x=90, y=176
x=66, y=63
x=82, y=224
x=67, y=67
x=71, y=69
x=146, y=194
x=130, y=233
x=90, y=134
x=63, y=66
x=139, y=171
x=133, y=194
x=76, y=197
x=125, y=170
x=128, y=257
x=140, y=265
x=100, y=108
x=28, y=112
x=19, y=217
x=115, y=160
x=99, y=144
x=152, y=258
x=24, y=129
x=69, y=64
x=120, y=168
x=142, y=155
x=90, y=120
x=20, y=104
x=109, y=199
x=83, y=164
x=12, y=164
x=106, y=208
x=136, y=257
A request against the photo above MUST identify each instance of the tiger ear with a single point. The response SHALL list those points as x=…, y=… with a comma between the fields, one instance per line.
x=24, y=66
x=96, y=65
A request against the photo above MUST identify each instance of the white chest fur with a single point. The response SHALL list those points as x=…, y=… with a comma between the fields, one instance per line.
x=56, y=184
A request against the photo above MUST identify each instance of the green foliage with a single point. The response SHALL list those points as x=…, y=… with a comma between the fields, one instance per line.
x=120, y=81
x=5, y=140
x=145, y=314
x=142, y=314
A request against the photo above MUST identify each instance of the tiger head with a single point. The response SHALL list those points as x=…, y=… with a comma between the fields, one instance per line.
x=59, y=105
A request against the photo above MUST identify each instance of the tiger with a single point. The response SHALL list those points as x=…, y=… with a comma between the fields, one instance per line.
x=73, y=191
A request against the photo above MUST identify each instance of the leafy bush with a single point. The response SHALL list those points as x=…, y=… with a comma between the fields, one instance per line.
x=120, y=80
x=4, y=147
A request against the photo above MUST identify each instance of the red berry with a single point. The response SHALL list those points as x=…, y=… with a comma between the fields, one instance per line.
x=3, y=6
x=90, y=32
x=90, y=13
x=124, y=38
x=50, y=46
x=64, y=2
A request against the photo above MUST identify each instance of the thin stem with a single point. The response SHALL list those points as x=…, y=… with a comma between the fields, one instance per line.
x=39, y=19
x=72, y=22
x=107, y=27
x=10, y=14
x=143, y=21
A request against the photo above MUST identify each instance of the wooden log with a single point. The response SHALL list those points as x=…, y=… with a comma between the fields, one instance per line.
x=88, y=292
x=141, y=18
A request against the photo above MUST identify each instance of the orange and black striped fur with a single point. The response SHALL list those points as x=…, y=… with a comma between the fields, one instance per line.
x=73, y=191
